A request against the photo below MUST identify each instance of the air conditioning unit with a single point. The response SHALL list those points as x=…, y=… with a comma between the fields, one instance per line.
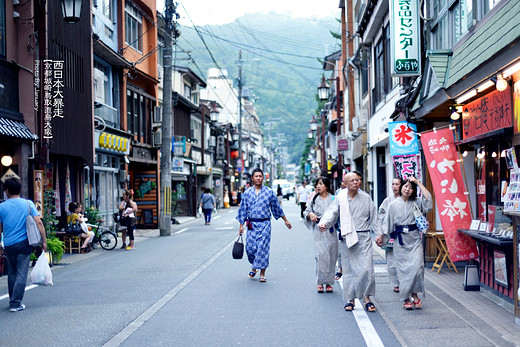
x=157, y=138
x=157, y=116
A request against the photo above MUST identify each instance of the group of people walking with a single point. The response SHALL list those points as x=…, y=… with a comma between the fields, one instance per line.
x=342, y=225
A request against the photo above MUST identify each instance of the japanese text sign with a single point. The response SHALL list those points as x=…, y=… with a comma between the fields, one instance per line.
x=405, y=38
x=407, y=165
x=488, y=113
x=448, y=184
x=403, y=139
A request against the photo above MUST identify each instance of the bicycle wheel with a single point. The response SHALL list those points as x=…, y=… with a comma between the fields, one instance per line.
x=108, y=240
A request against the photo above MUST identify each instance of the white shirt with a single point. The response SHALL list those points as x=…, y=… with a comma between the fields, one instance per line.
x=303, y=193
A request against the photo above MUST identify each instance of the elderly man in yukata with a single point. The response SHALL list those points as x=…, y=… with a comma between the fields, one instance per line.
x=258, y=202
x=358, y=216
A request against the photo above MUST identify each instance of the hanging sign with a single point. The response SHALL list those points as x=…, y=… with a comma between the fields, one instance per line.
x=490, y=112
x=403, y=138
x=405, y=38
x=407, y=165
x=450, y=194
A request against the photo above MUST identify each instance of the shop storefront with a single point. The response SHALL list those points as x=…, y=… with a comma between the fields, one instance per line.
x=181, y=185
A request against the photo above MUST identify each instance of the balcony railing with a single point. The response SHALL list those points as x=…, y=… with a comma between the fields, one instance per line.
x=108, y=113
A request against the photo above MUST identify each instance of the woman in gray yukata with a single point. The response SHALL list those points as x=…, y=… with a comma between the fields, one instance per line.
x=399, y=224
x=325, y=242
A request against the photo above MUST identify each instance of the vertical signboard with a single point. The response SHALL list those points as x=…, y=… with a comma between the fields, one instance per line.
x=405, y=38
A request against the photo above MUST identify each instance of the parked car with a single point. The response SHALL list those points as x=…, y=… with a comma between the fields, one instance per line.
x=287, y=189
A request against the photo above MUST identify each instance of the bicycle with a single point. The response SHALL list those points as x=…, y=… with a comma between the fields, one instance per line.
x=106, y=238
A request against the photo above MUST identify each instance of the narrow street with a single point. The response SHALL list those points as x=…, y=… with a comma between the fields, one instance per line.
x=187, y=290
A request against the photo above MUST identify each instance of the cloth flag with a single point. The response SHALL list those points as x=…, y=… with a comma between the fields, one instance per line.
x=450, y=193
x=68, y=191
x=403, y=138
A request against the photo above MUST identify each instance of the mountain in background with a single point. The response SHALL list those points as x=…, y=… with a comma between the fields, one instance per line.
x=280, y=66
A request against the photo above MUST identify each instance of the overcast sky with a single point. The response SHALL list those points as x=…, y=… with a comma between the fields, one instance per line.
x=213, y=12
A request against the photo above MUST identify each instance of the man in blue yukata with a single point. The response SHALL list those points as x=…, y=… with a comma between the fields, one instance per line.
x=258, y=202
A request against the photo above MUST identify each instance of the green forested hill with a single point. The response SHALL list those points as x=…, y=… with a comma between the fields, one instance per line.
x=280, y=65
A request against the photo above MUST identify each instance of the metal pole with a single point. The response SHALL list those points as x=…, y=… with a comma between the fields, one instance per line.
x=239, y=62
x=167, y=110
x=323, y=154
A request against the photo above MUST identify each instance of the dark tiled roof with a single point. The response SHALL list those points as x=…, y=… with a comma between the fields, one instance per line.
x=16, y=129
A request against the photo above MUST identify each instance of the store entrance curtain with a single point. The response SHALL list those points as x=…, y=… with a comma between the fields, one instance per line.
x=448, y=184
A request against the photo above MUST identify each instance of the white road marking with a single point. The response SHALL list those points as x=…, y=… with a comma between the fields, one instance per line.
x=181, y=231
x=26, y=289
x=216, y=217
x=224, y=228
x=152, y=310
x=368, y=331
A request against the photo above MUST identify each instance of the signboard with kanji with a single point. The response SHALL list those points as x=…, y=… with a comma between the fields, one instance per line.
x=490, y=112
x=405, y=38
x=407, y=165
x=403, y=138
x=450, y=193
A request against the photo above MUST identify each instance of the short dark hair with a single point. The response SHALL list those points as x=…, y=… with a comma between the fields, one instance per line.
x=325, y=181
x=13, y=185
x=73, y=206
x=207, y=191
x=257, y=170
x=357, y=173
x=414, y=189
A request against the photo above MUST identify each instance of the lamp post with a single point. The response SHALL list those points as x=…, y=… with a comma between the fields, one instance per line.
x=71, y=10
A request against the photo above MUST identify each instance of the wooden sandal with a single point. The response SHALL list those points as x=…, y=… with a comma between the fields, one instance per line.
x=252, y=273
x=329, y=289
x=417, y=304
x=262, y=279
x=338, y=276
x=320, y=289
x=370, y=307
x=349, y=306
x=408, y=306
x=396, y=289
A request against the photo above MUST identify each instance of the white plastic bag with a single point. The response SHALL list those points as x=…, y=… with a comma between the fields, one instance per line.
x=41, y=274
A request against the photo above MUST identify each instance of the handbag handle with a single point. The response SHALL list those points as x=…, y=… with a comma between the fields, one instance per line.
x=240, y=239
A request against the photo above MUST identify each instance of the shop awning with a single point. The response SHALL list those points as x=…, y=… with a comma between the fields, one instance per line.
x=12, y=128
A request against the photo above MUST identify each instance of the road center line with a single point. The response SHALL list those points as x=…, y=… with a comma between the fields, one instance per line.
x=366, y=327
x=26, y=289
x=181, y=231
x=224, y=228
x=152, y=310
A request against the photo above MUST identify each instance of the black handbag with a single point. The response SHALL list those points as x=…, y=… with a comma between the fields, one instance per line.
x=117, y=216
x=238, y=248
x=73, y=228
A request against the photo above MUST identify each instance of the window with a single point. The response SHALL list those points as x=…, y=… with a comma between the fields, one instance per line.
x=140, y=110
x=133, y=26
x=106, y=8
x=196, y=126
x=364, y=77
x=452, y=20
x=102, y=84
x=379, y=67
x=187, y=91
x=160, y=52
x=2, y=28
x=390, y=81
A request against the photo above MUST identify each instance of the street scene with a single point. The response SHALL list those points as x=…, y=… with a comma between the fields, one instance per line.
x=260, y=173
x=187, y=290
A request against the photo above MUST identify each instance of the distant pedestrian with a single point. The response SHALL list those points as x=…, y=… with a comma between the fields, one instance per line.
x=13, y=215
x=258, y=202
x=279, y=195
x=129, y=208
x=399, y=224
x=76, y=216
x=339, y=272
x=303, y=196
x=325, y=242
x=358, y=217
x=389, y=250
x=207, y=203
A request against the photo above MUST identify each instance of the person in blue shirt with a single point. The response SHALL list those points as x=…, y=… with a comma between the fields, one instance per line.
x=207, y=203
x=13, y=214
x=258, y=202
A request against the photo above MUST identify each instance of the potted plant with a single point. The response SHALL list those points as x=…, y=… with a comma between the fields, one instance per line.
x=55, y=246
x=177, y=194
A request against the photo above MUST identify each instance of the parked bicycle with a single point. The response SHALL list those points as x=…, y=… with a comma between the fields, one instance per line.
x=106, y=238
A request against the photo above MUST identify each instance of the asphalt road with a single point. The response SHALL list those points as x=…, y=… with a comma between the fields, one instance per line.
x=187, y=290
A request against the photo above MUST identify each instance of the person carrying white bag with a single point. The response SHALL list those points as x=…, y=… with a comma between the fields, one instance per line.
x=41, y=274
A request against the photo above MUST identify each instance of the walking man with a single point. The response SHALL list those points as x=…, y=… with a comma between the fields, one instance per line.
x=13, y=214
x=358, y=217
x=303, y=196
x=258, y=202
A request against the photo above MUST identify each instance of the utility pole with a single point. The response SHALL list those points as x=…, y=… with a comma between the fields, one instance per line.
x=165, y=213
x=239, y=62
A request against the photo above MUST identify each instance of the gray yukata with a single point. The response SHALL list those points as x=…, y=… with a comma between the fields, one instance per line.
x=389, y=252
x=357, y=261
x=325, y=242
x=408, y=257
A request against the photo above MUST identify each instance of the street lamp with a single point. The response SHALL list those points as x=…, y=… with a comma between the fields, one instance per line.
x=323, y=89
x=214, y=112
x=236, y=136
x=314, y=123
x=71, y=10
x=310, y=134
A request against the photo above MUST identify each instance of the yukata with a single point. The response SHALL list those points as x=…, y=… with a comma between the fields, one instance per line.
x=389, y=251
x=408, y=247
x=357, y=261
x=257, y=208
x=325, y=242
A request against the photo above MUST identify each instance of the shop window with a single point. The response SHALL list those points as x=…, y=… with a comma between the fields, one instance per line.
x=2, y=28
x=133, y=26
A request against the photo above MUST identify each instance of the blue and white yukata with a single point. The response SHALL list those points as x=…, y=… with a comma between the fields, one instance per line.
x=258, y=209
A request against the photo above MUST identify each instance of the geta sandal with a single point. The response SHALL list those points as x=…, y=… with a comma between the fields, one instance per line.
x=408, y=306
x=349, y=306
x=396, y=289
x=329, y=289
x=370, y=307
x=252, y=274
x=262, y=279
x=337, y=276
x=320, y=289
x=417, y=304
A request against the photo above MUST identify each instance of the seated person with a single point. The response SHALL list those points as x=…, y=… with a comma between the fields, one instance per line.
x=75, y=215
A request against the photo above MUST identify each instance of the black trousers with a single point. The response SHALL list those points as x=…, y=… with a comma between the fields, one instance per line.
x=303, y=206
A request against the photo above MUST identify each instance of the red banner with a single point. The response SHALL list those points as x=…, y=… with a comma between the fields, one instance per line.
x=448, y=184
x=490, y=112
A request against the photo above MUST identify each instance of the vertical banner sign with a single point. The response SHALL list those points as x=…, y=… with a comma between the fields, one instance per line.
x=516, y=103
x=52, y=94
x=407, y=165
x=403, y=139
x=405, y=38
x=448, y=184
x=38, y=191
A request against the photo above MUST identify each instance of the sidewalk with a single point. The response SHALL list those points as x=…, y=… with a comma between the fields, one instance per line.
x=451, y=312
